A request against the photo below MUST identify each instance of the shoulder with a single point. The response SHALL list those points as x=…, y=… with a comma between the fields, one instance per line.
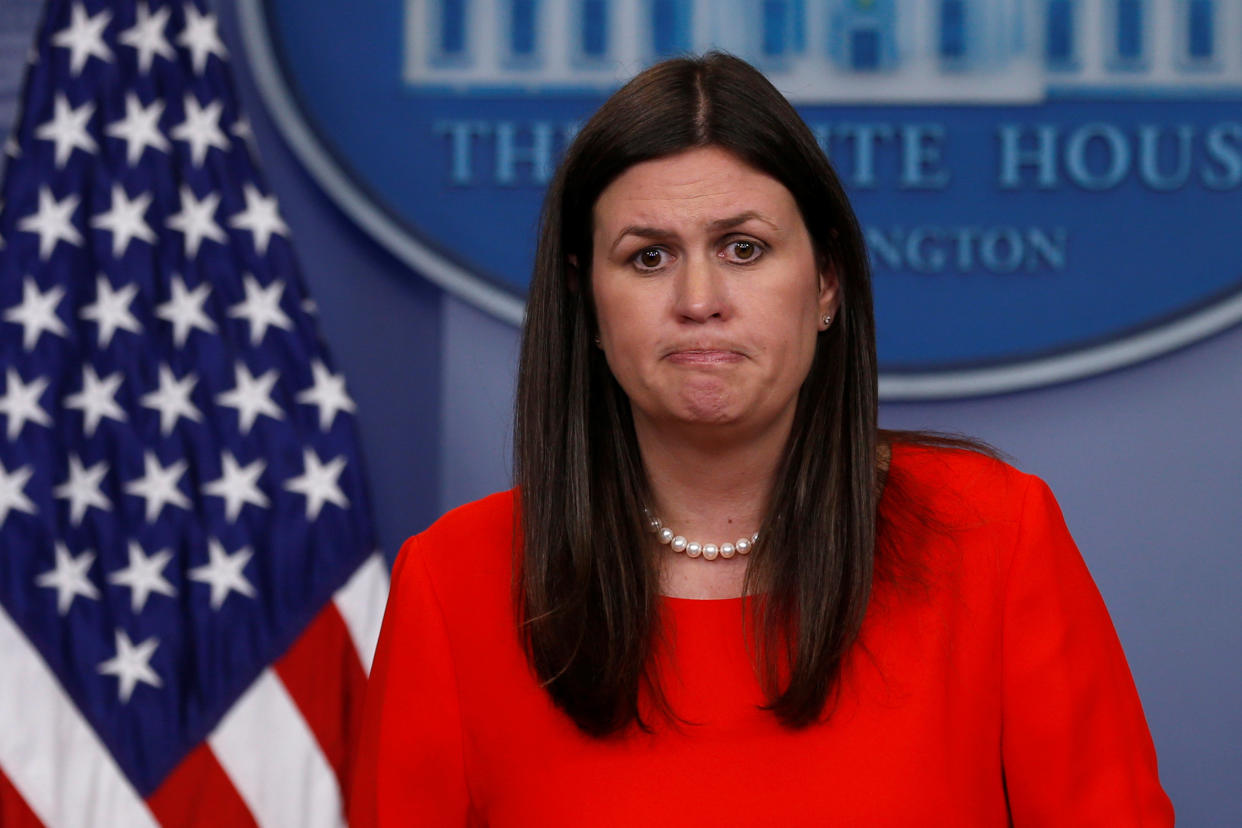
x=475, y=524
x=968, y=509
x=466, y=551
x=958, y=483
x=957, y=505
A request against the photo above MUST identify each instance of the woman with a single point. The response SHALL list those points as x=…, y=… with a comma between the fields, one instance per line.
x=719, y=595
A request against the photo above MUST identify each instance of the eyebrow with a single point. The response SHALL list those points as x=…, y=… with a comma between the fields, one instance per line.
x=648, y=232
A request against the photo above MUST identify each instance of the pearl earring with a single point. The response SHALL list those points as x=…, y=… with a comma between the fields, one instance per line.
x=827, y=319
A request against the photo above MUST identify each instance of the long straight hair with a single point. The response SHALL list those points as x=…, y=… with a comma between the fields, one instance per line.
x=586, y=587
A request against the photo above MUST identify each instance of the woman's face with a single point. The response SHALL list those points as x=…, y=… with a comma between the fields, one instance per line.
x=707, y=291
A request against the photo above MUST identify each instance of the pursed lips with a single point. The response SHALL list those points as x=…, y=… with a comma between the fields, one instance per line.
x=704, y=355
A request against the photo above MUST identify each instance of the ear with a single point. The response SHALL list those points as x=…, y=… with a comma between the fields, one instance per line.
x=829, y=298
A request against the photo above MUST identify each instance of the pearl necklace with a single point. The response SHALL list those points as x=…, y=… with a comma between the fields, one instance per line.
x=694, y=549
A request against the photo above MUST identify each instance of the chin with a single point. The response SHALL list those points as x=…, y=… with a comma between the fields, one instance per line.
x=708, y=409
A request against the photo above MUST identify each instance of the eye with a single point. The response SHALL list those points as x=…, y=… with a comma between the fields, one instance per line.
x=651, y=258
x=743, y=251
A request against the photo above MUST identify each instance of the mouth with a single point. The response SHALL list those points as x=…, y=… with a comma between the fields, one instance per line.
x=704, y=356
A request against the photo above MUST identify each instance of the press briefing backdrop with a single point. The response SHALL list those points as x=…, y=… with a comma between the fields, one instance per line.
x=1050, y=191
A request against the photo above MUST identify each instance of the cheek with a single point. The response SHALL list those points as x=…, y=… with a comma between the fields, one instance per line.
x=792, y=332
x=610, y=312
x=624, y=326
x=789, y=318
x=798, y=352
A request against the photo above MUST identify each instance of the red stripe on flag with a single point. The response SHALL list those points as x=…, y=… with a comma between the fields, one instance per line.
x=14, y=812
x=198, y=793
x=324, y=675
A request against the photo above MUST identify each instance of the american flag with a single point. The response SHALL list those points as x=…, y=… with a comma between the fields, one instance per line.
x=189, y=589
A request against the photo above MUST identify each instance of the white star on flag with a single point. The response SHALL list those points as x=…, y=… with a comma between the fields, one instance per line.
x=200, y=37
x=83, y=37
x=131, y=664
x=328, y=393
x=36, y=313
x=261, y=217
x=139, y=129
x=241, y=129
x=261, y=308
x=147, y=36
x=13, y=492
x=158, y=485
x=143, y=576
x=68, y=578
x=184, y=310
x=124, y=220
x=97, y=399
x=20, y=403
x=238, y=485
x=196, y=221
x=82, y=489
x=110, y=310
x=53, y=222
x=223, y=572
x=251, y=397
x=67, y=129
x=201, y=129
x=318, y=483
x=172, y=399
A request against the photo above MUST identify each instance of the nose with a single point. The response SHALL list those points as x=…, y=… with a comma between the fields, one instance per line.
x=701, y=291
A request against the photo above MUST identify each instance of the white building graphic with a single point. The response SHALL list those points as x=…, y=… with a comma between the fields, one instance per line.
x=864, y=51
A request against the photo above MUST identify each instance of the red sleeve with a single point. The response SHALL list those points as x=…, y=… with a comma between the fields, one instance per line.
x=1076, y=747
x=411, y=769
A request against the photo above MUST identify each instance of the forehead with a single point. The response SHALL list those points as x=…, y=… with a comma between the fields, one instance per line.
x=698, y=185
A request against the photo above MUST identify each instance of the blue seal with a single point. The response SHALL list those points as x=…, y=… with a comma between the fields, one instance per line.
x=1048, y=189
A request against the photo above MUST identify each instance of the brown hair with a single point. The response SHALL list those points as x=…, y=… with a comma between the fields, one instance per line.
x=586, y=587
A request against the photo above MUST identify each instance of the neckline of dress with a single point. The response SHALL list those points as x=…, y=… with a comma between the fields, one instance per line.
x=680, y=600
x=895, y=448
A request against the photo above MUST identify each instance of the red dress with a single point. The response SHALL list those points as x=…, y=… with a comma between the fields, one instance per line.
x=995, y=689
